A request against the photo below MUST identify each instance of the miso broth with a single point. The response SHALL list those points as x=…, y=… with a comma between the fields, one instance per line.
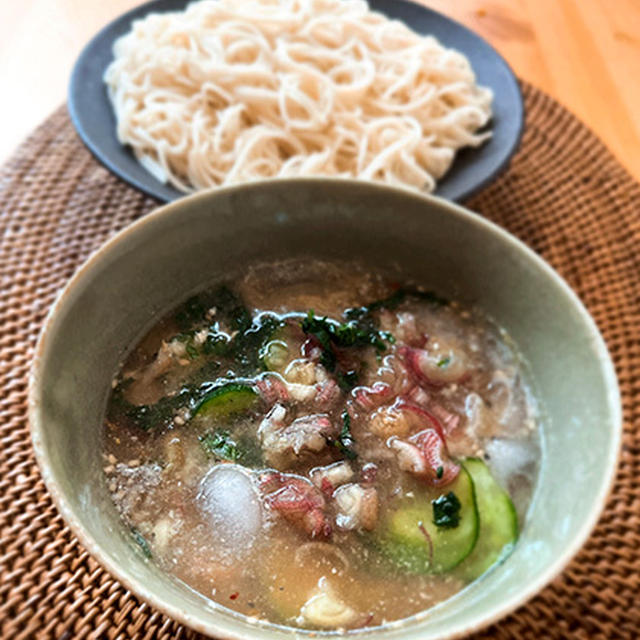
x=318, y=446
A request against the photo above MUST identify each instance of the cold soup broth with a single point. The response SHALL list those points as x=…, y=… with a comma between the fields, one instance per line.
x=319, y=446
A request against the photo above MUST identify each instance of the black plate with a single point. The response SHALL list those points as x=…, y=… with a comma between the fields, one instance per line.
x=94, y=120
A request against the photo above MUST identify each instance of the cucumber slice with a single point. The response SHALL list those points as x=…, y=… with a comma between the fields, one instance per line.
x=498, y=522
x=275, y=356
x=412, y=541
x=227, y=400
x=281, y=349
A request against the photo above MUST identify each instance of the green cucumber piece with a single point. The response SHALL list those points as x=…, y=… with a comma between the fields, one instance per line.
x=498, y=522
x=275, y=355
x=228, y=400
x=280, y=350
x=411, y=540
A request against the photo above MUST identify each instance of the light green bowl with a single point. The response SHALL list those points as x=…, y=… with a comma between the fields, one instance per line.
x=158, y=261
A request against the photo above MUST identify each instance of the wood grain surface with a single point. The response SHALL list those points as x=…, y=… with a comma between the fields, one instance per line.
x=585, y=53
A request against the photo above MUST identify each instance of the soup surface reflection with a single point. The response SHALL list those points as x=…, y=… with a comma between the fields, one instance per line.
x=317, y=446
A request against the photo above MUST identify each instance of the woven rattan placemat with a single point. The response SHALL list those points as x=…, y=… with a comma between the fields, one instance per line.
x=564, y=195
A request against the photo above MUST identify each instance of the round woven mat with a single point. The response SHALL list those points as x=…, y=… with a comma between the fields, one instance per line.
x=564, y=195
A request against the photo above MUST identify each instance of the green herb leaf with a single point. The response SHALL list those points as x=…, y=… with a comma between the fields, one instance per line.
x=245, y=348
x=344, y=442
x=140, y=540
x=193, y=311
x=149, y=416
x=444, y=362
x=347, y=380
x=394, y=300
x=221, y=445
x=388, y=336
x=230, y=309
x=192, y=350
x=321, y=329
x=216, y=344
x=331, y=335
x=247, y=345
x=446, y=511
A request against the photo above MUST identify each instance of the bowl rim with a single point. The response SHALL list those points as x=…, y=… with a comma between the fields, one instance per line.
x=198, y=623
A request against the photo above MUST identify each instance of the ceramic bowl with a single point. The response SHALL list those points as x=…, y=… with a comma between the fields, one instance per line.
x=185, y=246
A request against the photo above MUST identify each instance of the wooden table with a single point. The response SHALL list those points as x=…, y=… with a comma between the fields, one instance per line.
x=585, y=53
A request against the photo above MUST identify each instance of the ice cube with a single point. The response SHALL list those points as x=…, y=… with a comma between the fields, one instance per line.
x=509, y=459
x=230, y=503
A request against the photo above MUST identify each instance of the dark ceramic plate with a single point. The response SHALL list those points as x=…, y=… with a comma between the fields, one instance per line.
x=94, y=120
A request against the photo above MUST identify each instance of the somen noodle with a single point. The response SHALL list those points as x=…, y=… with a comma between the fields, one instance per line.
x=229, y=91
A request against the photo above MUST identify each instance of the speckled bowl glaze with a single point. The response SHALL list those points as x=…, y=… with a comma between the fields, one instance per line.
x=182, y=247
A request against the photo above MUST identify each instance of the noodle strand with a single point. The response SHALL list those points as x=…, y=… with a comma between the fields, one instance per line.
x=229, y=91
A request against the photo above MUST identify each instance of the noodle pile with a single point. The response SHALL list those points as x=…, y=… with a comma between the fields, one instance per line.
x=229, y=91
